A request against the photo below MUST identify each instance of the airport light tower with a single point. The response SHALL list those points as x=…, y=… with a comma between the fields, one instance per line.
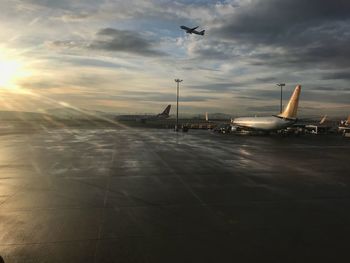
x=281, y=86
x=177, y=103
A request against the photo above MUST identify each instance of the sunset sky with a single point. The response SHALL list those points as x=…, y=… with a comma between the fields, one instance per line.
x=123, y=56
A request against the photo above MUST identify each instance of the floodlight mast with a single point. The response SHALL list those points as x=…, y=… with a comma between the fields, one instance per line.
x=177, y=103
x=281, y=85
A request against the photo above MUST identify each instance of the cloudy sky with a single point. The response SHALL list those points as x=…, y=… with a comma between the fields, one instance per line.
x=123, y=56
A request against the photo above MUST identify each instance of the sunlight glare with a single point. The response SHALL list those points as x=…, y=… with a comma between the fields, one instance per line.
x=11, y=70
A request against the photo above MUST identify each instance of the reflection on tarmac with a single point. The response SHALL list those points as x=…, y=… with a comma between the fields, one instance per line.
x=147, y=195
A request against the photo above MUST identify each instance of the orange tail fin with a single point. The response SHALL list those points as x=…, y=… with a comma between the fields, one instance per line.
x=292, y=107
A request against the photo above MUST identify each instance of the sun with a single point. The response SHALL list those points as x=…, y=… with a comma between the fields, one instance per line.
x=11, y=70
x=8, y=73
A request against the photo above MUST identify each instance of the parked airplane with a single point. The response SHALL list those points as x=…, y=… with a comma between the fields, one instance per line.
x=345, y=122
x=275, y=122
x=144, y=118
x=344, y=125
x=193, y=30
x=324, y=126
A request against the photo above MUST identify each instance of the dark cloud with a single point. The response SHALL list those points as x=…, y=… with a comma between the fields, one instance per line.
x=247, y=97
x=215, y=87
x=260, y=109
x=338, y=75
x=324, y=54
x=62, y=4
x=324, y=88
x=200, y=68
x=275, y=20
x=115, y=40
x=288, y=33
x=150, y=96
x=259, y=94
x=266, y=79
x=327, y=95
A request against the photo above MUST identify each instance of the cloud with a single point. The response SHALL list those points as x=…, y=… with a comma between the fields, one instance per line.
x=63, y=44
x=112, y=40
x=274, y=20
x=337, y=75
x=75, y=16
x=260, y=109
x=308, y=94
x=115, y=40
x=266, y=79
x=100, y=48
x=289, y=33
x=154, y=96
x=215, y=87
x=318, y=88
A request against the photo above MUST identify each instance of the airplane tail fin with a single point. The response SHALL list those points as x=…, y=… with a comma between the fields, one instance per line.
x=167, y=110
x=206, y=116
x=323, y=119
x=202, y=32
x=292, y=107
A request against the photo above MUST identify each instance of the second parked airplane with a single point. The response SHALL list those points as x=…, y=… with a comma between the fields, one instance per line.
x=275, y=122
x=144, y=118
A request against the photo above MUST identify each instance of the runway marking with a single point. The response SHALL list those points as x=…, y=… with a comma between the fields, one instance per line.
x=113, y=238
x=102, y=221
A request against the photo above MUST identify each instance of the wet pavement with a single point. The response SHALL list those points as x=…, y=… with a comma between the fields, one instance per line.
x=147, y=195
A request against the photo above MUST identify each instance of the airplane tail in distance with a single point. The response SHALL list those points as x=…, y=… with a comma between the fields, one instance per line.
x=323, y=119
x=292, y=107
x=201, y=33
x=167, y=110
x=348, y=120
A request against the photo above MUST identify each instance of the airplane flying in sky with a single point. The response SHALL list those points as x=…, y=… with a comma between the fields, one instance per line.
x=275, y=122
x=144, y=118
x=192, y=30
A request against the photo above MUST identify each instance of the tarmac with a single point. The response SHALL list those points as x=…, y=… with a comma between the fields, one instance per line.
x=149, y=195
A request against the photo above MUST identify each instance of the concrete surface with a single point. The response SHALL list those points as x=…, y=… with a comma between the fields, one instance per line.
x=147, y=195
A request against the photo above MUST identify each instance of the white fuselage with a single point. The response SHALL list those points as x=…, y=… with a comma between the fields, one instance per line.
x=263, y=123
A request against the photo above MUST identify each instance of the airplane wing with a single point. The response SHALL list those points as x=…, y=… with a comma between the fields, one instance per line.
x=192, y=30
x=198, y=33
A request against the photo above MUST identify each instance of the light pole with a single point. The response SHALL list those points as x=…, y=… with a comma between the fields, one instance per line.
x=281, y=86
x=177, y=103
